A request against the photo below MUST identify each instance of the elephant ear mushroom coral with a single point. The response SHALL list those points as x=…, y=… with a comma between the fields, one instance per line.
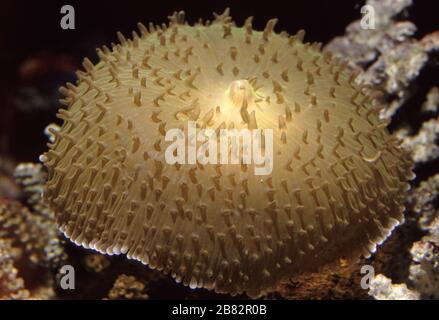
x=337, y=186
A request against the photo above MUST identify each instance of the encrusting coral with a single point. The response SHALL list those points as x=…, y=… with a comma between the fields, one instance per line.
x=424, y=269
x=11, y=285
x=338, y=181
x=24, y=239
x=389, y=56
x=31, y=177
x=423, y=144
x=392, y=60
x=127, y=287
x=382, y=288
x=35, y=234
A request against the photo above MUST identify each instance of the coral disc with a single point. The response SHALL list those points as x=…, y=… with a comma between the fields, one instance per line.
x=337, y=184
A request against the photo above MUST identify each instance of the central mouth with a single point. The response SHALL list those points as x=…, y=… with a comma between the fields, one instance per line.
x=240, y=93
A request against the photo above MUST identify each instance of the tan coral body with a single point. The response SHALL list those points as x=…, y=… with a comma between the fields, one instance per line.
x=338, y=179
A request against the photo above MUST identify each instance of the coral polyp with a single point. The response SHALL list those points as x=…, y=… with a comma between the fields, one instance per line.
x=337, y=186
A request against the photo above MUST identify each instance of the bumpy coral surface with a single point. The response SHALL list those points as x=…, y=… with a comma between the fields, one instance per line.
x=338, y=179
x=381, y=288
x=11, y=285
x=26, y=247
x=35, y=234
x=127, y=287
